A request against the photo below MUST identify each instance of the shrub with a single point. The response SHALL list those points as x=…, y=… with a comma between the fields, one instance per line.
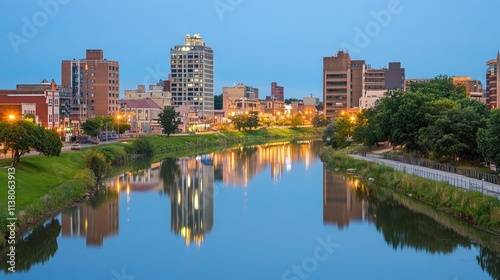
x=115, y=155
x=87, y=177
x=95, y=161
x=142, y=146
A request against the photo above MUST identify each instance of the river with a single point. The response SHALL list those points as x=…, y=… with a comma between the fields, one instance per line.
x=260, y=212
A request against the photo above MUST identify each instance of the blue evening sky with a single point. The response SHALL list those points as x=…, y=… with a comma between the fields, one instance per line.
x=255, y=42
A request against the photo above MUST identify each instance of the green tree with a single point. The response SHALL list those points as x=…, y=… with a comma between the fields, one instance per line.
x=239, y=121
x=319, y=121
x=92, y=127
x=328, y=133
x=169, y=120
x=120, y=126
x=449, y=134
x=51, y=144
x=22, y=136
x=252, y=120
x=366, y=130
x=296, y=120
x=440, y=87
x=289, y=101
x=488, y=138
x=29, y=117
x=400, y=115
x=218, y=102
x=96, y=162
x=142, y=146
x=338, y=133
x=320, y=106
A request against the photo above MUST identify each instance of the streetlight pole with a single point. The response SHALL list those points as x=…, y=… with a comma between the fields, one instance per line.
x=118, y=126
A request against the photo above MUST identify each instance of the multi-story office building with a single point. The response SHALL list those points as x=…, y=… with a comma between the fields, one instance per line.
x=374, y=79
x=157, y=93
x=492, y=81
x=343, y=83
x=41, y=101
x=192, y=75
x=351, y=84
x=95, y=83
x=65, y=97
x=473, y=88
x=277, y=92
x=379, y=81
x=240, y=99
x=395, y=76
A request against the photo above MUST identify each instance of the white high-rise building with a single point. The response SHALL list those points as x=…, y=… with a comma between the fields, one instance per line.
x=192, y=76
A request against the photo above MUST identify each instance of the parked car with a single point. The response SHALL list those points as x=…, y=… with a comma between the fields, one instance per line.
x=95, y=141
x=75, y=146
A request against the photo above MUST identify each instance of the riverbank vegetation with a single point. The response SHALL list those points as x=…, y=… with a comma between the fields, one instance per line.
x=435, y=120
x=473, y=207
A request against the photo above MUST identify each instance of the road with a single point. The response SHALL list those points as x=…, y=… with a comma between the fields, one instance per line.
x=65, y=148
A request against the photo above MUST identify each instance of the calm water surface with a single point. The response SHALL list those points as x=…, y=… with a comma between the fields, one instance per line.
x=262, y=212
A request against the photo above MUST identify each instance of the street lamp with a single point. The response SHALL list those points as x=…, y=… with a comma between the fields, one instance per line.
x=118, y=117
x=11, y=117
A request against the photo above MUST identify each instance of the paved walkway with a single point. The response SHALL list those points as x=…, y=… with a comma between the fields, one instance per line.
x=460, y=181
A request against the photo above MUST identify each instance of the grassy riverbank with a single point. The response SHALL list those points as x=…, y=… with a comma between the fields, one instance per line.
x=44, y=185
x=473, y=207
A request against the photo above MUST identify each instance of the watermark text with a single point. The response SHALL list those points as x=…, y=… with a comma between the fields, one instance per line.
x=11, y=219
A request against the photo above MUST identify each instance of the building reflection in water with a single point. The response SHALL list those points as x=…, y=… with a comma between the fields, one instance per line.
x=192, y=199
x=344, y=200
x=93, y=222
x=100, y=217
x=189, y=182
x=238, y=166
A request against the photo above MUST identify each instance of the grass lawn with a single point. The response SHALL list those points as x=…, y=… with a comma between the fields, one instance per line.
x=36, y=175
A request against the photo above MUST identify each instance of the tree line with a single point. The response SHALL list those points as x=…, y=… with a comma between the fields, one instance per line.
x=435, y=119
x=23, y=136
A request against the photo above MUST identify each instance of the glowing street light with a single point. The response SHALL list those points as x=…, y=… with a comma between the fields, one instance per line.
x=11, y=117
x=118, y=117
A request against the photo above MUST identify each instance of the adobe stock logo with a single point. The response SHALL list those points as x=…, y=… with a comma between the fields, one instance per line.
x=223, y=6
x=30, y=27
x=381, y=19
x=309, y=265
x=154, y=75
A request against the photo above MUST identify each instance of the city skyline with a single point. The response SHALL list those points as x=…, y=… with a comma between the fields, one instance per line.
x=284, y=43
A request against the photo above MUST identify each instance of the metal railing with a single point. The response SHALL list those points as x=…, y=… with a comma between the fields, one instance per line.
x=464, y=184
x=474, y=174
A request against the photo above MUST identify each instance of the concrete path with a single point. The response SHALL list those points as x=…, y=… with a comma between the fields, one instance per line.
x=460, y=181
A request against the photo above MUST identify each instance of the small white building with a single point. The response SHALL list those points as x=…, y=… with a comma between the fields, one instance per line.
x=370, y=97
x=156, y=93
x=142, y=115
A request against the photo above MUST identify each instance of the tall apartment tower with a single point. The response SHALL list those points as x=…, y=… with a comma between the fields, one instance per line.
x=95, y=82
x=492, y=82
x=343, y=83
x=192, y=75
x=395, y=76
x=277, y=92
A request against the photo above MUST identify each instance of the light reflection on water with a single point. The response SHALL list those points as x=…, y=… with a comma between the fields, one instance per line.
x=259, y=212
